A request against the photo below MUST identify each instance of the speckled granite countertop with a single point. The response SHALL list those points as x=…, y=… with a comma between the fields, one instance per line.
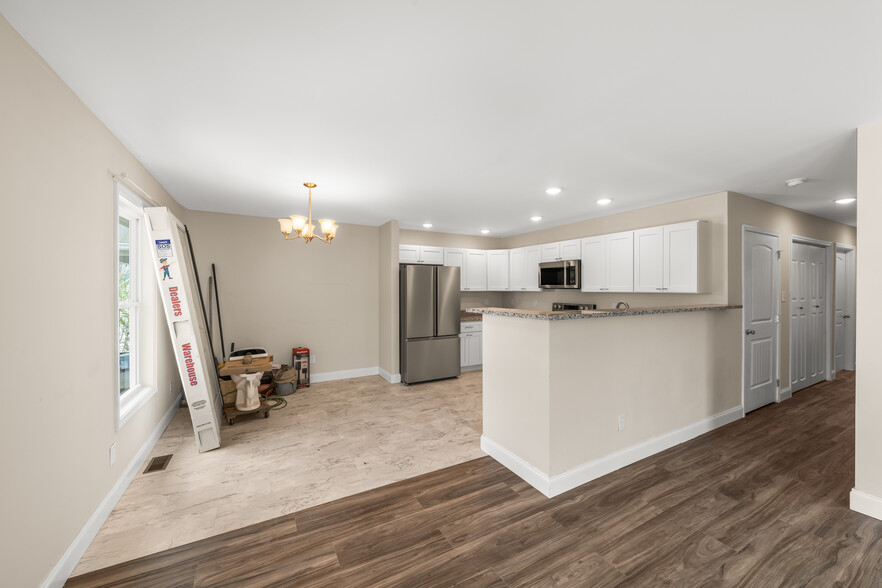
x=468, y=317
x=558, y=315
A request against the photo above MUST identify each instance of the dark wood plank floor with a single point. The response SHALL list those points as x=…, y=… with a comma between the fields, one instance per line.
x=760, y=502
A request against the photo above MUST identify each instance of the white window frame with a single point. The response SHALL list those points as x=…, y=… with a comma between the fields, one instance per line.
x=129, y=206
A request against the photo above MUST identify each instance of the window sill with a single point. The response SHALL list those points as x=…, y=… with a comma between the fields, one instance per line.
x=131, y=402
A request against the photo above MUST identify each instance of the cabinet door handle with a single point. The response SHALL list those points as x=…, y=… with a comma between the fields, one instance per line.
x=750, y=332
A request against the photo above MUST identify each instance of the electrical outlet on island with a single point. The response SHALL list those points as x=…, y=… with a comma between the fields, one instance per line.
x=113, y=454
x=621, y=422
x=312, y=359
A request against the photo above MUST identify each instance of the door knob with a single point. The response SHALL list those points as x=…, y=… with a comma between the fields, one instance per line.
x=750, y=332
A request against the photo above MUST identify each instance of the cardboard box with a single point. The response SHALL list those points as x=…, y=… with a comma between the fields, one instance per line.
x=300, y=361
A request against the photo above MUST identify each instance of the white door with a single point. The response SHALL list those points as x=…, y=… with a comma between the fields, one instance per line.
x=594, y=264
x=550, y=252
x=456, y=258
x=619, y=262
x=839, y=302
x=531, y=268
x=497, y=270
x=760, y=269
x=807, y=317
x=648, y=260
x=516, y=275
x=849, y=309
x=475, y=270
x=681, y=257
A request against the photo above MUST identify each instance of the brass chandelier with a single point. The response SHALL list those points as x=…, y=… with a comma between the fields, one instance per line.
x=303, y=228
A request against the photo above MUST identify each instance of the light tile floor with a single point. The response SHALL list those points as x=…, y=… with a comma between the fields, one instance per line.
x=333, y=439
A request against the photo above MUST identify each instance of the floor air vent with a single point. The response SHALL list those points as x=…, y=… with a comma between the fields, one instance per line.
x=157, y=464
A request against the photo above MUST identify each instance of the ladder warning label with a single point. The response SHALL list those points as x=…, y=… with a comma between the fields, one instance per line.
x=163, y=248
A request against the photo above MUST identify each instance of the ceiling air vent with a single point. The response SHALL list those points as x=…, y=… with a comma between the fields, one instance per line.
x=157, y=464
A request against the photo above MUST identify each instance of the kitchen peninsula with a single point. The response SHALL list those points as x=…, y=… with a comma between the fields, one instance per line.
x=569, y=396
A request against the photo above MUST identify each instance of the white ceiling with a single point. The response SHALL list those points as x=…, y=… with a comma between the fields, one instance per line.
x=461, y=113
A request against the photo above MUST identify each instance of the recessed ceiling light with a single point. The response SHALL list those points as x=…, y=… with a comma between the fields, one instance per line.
x=845, y=200
x=604, y=201
x=485, y=231
x=795, y=182
x=535, y=219
x=553, y=191
x=427, y=225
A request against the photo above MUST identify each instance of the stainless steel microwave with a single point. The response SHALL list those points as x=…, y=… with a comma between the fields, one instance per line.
x=560, y=274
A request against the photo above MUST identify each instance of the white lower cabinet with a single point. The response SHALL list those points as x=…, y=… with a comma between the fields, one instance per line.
x=471, y=341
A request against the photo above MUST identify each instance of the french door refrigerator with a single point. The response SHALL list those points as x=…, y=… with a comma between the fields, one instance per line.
x=429, y=322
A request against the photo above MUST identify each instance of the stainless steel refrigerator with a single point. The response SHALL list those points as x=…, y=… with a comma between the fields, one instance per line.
x=429, y=322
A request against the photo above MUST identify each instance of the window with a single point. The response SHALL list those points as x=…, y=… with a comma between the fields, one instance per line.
x=134, y=356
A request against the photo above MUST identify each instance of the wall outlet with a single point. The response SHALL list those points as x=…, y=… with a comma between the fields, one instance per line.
x=535, y=302
x=486, y=302
x=621, y=422
x=312, y=359
x=783, y=298
x=113, y=454
x=171, y=388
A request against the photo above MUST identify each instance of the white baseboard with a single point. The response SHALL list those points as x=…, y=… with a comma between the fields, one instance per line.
x=784, y=394
x=391, y=378
x=65, y=566
x=471, y=368
x=531, y=475
x=865, y=504
x=343, y=374
x=554, y=485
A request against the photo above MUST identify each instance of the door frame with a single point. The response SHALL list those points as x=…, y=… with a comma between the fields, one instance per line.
x=829, y=260
x=849, y=250
x=777, y=286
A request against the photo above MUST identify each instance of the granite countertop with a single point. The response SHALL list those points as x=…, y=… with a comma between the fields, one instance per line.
x=468, y=317
x=557, y=315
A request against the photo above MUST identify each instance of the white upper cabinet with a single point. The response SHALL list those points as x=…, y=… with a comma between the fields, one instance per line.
x=620, y=262
x=475, y=271
x=524, y=268
x=666, y=259
x=456, y=258
x=420, y=254
x=433, y=255
x=571, y=249
x=649, y=257
x=498, y=269
x=608, y=263
x=562, y=250
x=681, y=257
x=517, y=279
x=550, y=252
x=408, y=254
x=532, y=255
x=594, y=264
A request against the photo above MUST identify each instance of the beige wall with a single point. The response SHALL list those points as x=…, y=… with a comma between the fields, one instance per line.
x=553, y=390
x=58, y=319
x=688, y=368
x=711, y=208
x=388, y=297
x=410, y=237
x=868, y=413
x=758, y=213
x=282, y=294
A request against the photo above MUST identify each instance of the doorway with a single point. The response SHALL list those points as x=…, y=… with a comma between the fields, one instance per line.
x=843, y=309
x=760, y=283
x=810, y=299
